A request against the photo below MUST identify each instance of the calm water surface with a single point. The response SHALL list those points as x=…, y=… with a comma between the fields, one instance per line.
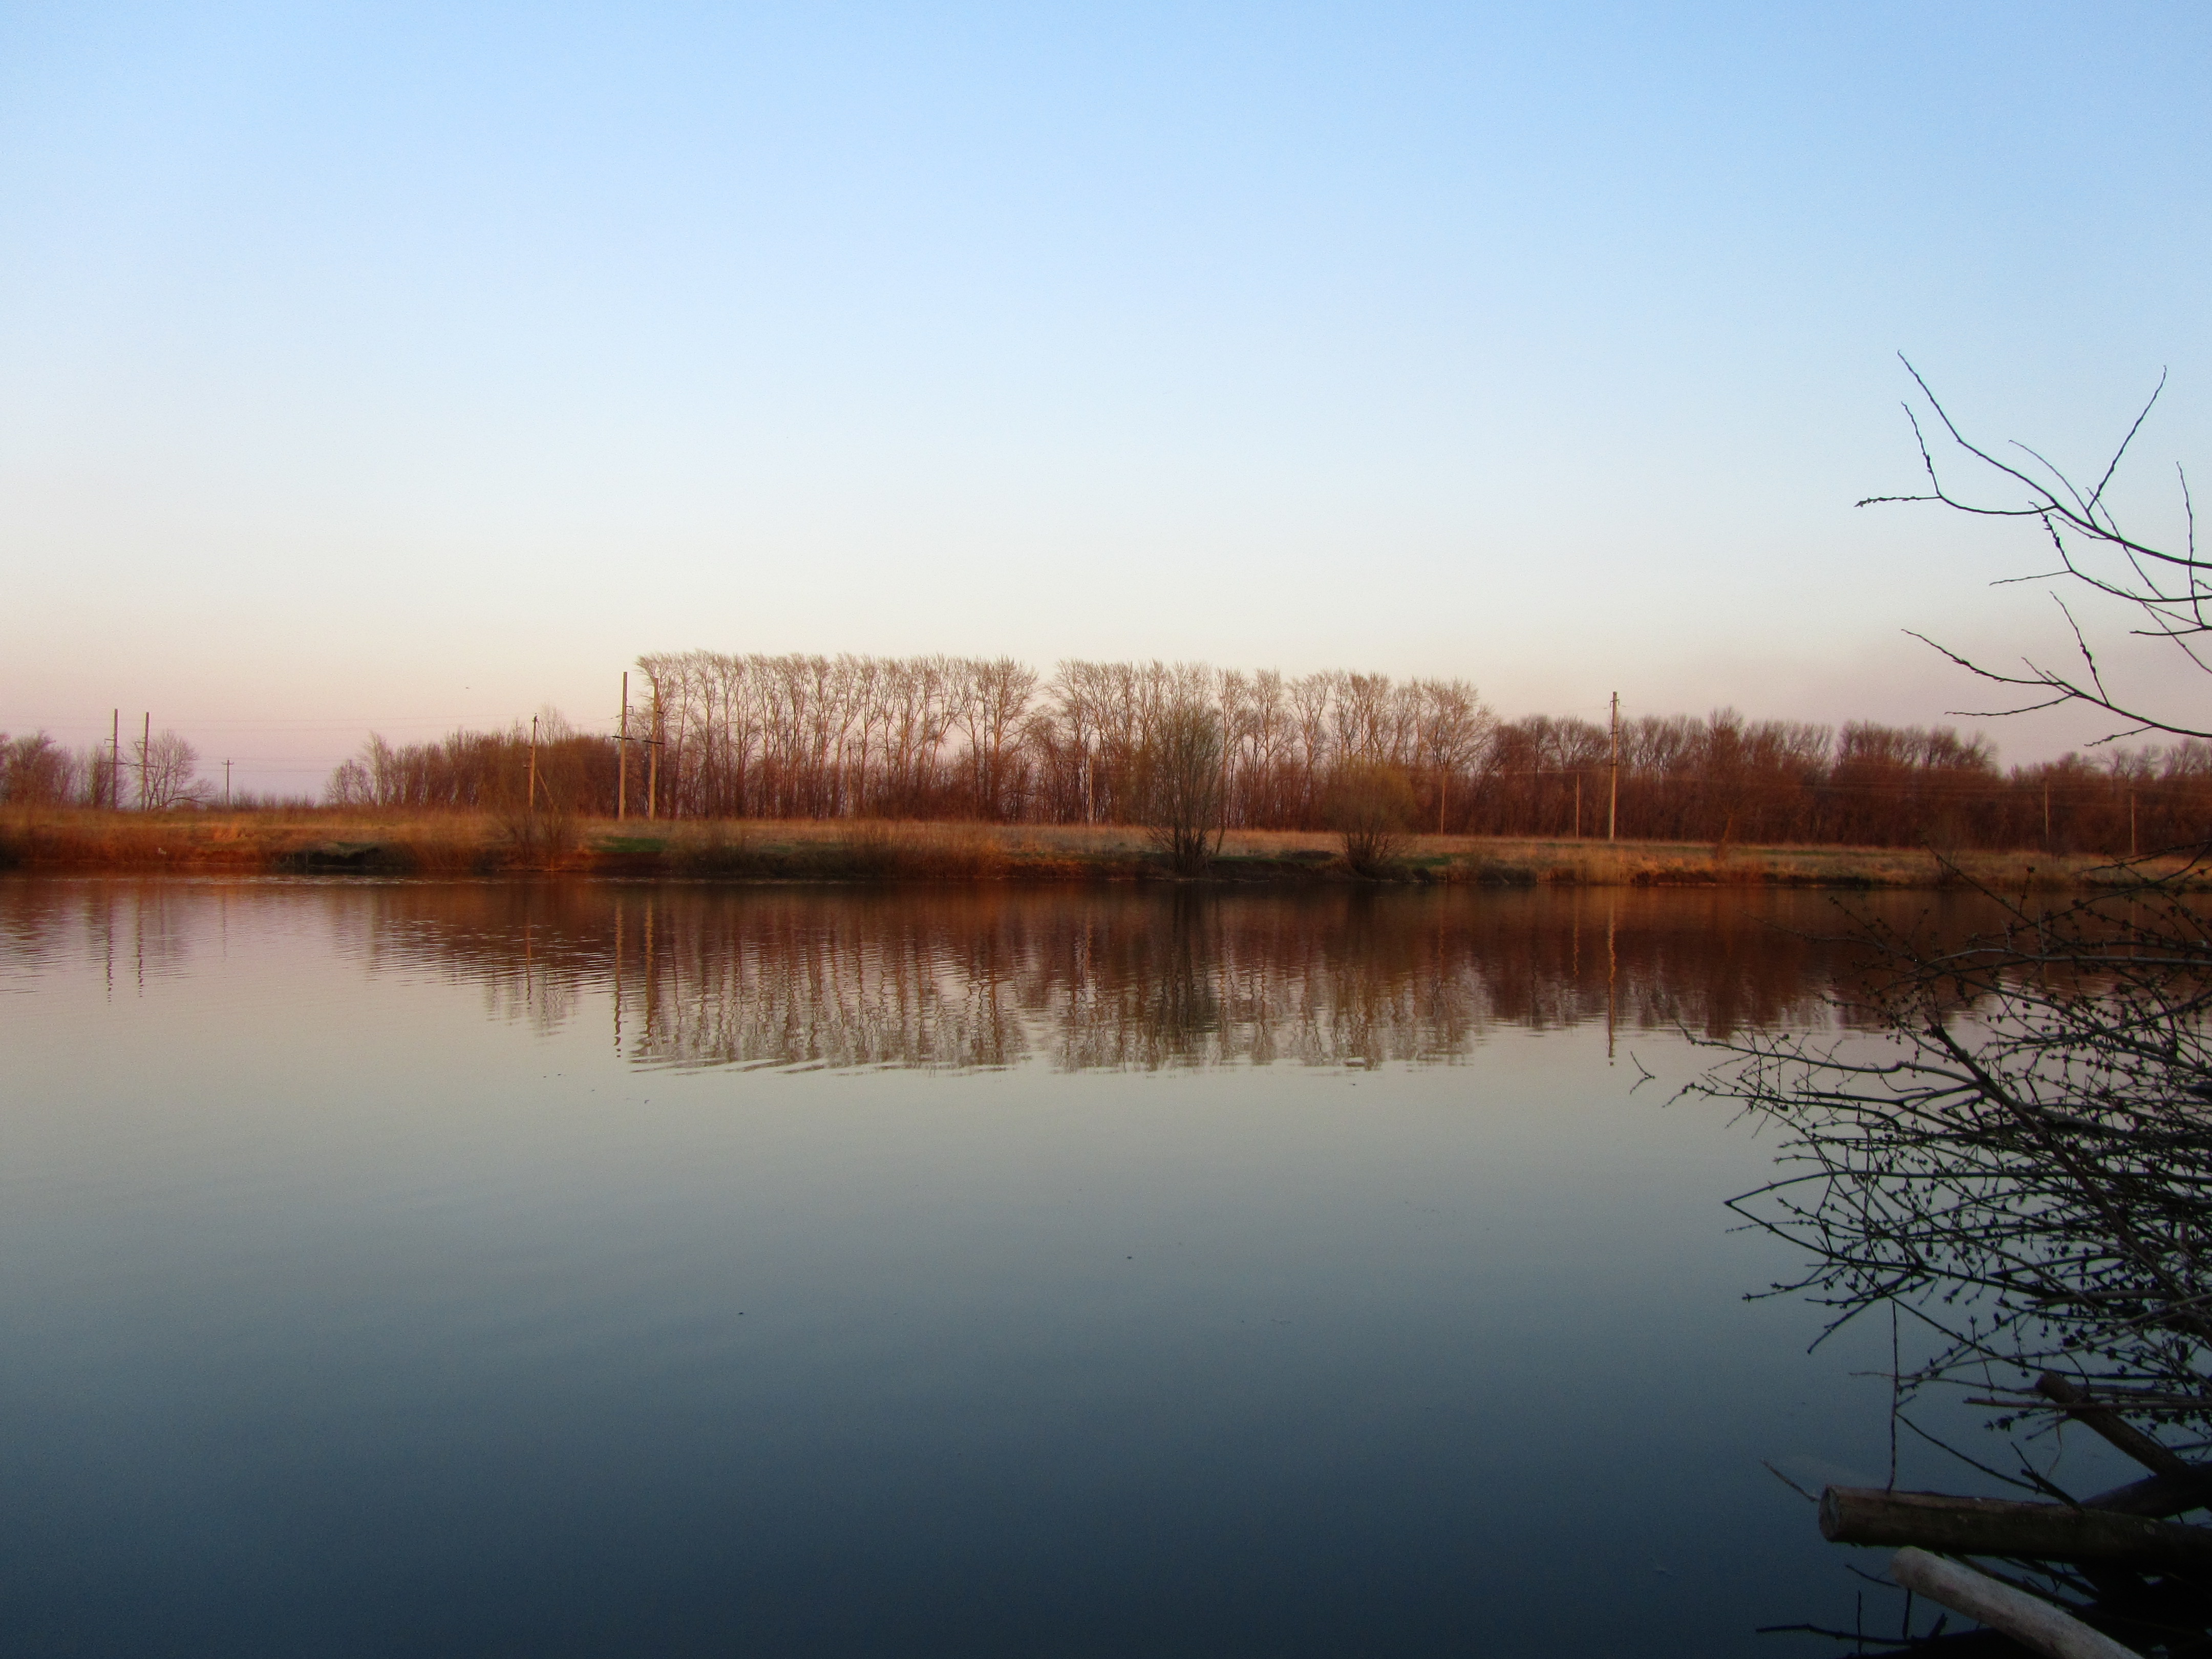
x=476, y=1268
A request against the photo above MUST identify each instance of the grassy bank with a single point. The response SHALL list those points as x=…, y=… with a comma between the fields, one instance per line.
x=489, y=844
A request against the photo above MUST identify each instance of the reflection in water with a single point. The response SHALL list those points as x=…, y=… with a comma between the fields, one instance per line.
x=135, y=931
x=1077, y=978
x=346, y=1320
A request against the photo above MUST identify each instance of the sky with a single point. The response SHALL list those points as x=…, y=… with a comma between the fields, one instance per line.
x=400, y=367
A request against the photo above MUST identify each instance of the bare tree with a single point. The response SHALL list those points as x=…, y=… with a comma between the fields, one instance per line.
x=2009, y=1143
x=992, y=704
x=2165, y=590
x=1181, y=783
x=1453, y=726
x=168, y=772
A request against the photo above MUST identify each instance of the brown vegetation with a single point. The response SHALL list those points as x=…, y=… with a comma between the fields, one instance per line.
x=159, y=771
x=1190, y=751
x=948, y=740
x=329, y=839
x=1369, y=806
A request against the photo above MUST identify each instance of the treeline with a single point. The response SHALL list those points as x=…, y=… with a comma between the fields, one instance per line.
x=556, y=767
x=155, y=772
x=716, y=736
x=942, y=737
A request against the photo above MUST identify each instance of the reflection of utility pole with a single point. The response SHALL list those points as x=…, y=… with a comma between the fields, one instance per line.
x=1613, y=806
x=1612, y=974
x=622, y=760
x=533, y=764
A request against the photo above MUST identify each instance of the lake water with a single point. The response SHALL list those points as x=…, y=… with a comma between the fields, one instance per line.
x=512, y=1269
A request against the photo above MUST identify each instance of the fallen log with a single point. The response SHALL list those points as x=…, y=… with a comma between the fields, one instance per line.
x=2124, y=1435
x=2034, y=1623
x=2155, y=1495
x=1993, y=1526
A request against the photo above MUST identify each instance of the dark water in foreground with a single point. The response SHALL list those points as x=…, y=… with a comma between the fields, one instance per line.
x=483, y=1268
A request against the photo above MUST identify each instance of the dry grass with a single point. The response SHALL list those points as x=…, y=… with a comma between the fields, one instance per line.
x=465, y=844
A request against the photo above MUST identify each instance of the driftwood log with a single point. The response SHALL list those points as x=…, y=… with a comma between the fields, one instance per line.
x=2158, y=1497
x=1991, y=1526
x=2029, y=1621
x=2122, y=1434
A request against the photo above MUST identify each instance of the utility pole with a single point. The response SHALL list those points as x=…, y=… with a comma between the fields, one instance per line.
x=2046, y=815
x=115, y=762
x=1579, y=804
x=622, y=760
x=533, y=765
x=2131, y=824
x=1612, y=806
x=145, y=761
x=226, y=786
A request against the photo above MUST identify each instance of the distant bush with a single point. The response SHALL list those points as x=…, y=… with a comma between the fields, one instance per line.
x=1372, y=806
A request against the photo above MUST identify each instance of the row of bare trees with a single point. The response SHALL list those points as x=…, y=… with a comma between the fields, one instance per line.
x=792, y=736
x=1197, y=750
x=156, y=772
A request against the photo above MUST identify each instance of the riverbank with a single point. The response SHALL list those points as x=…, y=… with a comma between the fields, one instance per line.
x=490, y=844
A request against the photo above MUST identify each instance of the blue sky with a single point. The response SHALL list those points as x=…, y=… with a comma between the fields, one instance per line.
x=371, y=366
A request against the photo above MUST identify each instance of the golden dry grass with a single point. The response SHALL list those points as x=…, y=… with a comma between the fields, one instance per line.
x=459, y=843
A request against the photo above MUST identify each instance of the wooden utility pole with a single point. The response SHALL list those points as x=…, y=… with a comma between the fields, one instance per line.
x=533, y=765
x=226, y=786
x=621, y=760
x=2046, y=815
x=2131, y=824
x=115, y=763
x=1613, y=805
x=1612, y=976
x=1578, y=806
x=652, y=761
x=145, y=761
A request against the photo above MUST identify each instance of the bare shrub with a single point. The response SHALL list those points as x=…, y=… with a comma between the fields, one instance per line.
x=1182, y=786
x=1370, y=805
x=36, y=771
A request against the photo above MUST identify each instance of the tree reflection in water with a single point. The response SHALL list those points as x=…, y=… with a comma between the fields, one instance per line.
x=1085, y=978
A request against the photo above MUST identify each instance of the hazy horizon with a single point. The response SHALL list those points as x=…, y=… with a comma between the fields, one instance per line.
x=419, y=369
